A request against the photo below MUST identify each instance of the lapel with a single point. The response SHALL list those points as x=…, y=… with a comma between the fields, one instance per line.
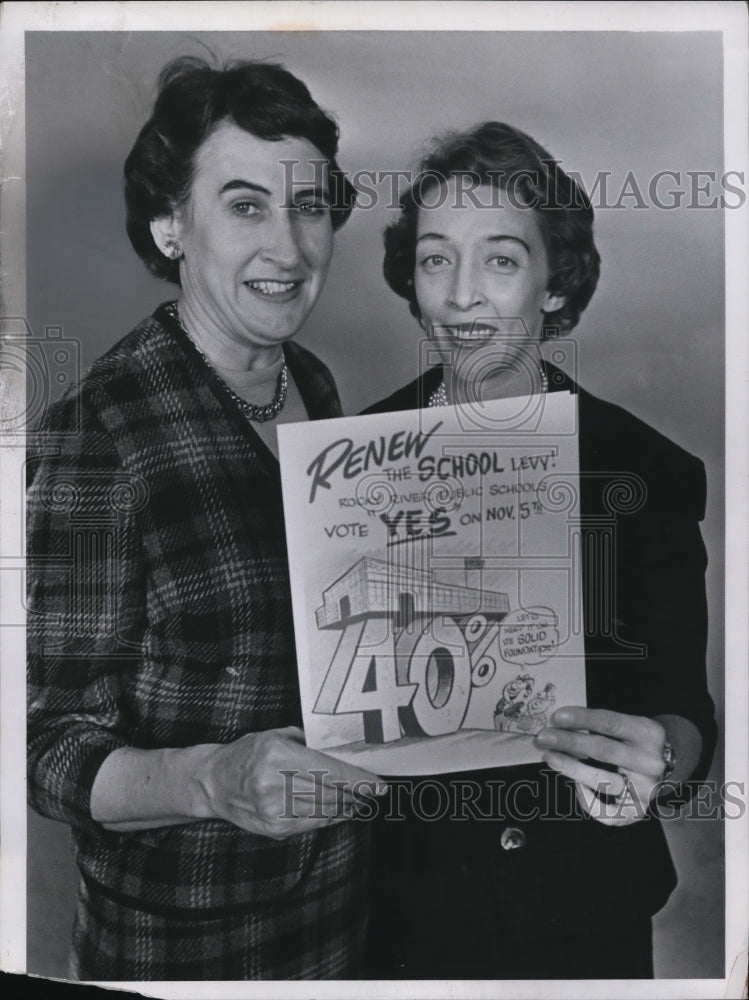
x=315, y=393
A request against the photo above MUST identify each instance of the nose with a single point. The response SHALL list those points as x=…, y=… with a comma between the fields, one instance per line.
x=280, y=244
x=465, y=293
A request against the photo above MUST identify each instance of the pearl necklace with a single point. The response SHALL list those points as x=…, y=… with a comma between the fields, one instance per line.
x=438, y=396
x=261, y=414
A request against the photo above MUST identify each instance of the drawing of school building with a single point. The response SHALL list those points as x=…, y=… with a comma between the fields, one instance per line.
x=374, y=588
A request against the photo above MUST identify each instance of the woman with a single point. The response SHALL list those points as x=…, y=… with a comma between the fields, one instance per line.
x=555, y=870
x=164, y=707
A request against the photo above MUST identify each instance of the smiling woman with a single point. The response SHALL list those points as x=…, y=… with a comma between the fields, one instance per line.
x=164, y=705
x=561, y=880
x=481, y=280
x=254, y=256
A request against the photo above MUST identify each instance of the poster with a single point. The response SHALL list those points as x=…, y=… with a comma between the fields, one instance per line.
x=436, y=581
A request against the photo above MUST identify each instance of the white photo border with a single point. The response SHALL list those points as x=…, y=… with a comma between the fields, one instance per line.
x=730, y=18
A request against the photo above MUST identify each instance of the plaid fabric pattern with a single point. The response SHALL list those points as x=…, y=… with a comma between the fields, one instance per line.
x=160, y=615
x=311, y=935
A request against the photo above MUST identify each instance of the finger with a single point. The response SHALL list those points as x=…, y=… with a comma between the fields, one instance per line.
x=319, y=816
x=321, y=803
x=352, y=786
x=609, y=797
x=317, y=760
x=617, y=725
x=335, y=770
x=299, y=810
x=608, y=813
x=598, y=780
x=600, y=748
x=358, y=795
x=323, y=793
x=309, y=802
x=342, y=771
x=293, y=733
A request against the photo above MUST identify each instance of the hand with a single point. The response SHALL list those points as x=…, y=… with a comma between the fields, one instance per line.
x=633, y=744
x=271, y=784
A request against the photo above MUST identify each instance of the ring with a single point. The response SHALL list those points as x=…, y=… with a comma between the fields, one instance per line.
x=669, y=761
x=618, y=799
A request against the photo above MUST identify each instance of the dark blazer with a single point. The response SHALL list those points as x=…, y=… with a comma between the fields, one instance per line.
x=454, y=885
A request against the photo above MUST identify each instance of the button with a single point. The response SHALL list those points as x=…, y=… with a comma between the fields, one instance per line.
x=512, y=838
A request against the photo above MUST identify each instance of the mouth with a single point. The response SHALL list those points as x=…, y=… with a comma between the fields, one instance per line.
x=471, y=331
x=275, y=290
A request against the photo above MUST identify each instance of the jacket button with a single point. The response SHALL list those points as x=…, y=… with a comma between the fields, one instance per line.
x=512, y=838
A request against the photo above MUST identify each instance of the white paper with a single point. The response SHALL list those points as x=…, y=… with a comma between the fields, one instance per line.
x=435, y=581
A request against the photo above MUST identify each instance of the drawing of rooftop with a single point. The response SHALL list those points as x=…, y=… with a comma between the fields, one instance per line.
x=376, y=588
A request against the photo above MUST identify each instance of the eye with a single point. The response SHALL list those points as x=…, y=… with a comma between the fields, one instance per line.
x=245, y=208
x=312, y=207
x=433, y=261
x=502, y=263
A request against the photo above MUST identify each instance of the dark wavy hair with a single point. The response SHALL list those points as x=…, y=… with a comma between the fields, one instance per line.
x=498, y=154
x=262, y=98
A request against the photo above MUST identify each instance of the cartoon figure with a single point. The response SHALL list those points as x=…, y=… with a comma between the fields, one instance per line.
x=510, y=706
x=534, y=717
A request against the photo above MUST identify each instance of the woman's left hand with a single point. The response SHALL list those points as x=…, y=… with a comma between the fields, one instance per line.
x=631, y=744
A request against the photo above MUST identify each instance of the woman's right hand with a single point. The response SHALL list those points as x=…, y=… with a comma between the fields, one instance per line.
x=272, y=784
x=268, y=783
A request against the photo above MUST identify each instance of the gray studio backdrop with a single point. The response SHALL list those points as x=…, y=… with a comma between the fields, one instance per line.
x=652, y=340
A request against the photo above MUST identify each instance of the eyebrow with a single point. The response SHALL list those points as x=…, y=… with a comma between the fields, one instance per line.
x=499, y=238
x=239, y=185
x=243, y=185
x=313, y=189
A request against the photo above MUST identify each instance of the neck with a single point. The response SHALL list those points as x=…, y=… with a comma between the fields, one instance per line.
x=499, y=384
x=221, y=348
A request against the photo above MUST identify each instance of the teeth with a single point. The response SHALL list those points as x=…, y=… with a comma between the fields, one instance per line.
x=466, y=333
x=272, y=287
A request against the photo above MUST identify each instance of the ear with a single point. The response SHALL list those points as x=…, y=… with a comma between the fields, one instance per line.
x=166, y=231
x=553, y=302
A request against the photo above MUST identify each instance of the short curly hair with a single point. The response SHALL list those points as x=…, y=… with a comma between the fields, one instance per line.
x=501, y=155
x=262, y=98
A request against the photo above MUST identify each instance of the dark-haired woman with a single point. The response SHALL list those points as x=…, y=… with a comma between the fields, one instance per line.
x=548, y=872
x=164, y=707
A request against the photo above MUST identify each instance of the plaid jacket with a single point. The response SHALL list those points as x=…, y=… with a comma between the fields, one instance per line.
x=160, y=615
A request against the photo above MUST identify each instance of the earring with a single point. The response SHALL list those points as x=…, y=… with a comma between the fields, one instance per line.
x=172, y=249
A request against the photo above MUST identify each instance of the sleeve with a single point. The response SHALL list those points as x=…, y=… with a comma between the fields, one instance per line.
x=670, y=604
x=84, y=608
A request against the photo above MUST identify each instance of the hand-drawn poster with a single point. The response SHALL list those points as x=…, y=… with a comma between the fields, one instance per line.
x=435, y=581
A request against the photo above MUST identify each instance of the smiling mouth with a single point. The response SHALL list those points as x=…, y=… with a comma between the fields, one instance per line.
x=472, y=331
x=273, y=289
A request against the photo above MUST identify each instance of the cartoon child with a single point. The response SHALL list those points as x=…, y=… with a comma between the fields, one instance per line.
x=510, y=706
x=534, y=717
